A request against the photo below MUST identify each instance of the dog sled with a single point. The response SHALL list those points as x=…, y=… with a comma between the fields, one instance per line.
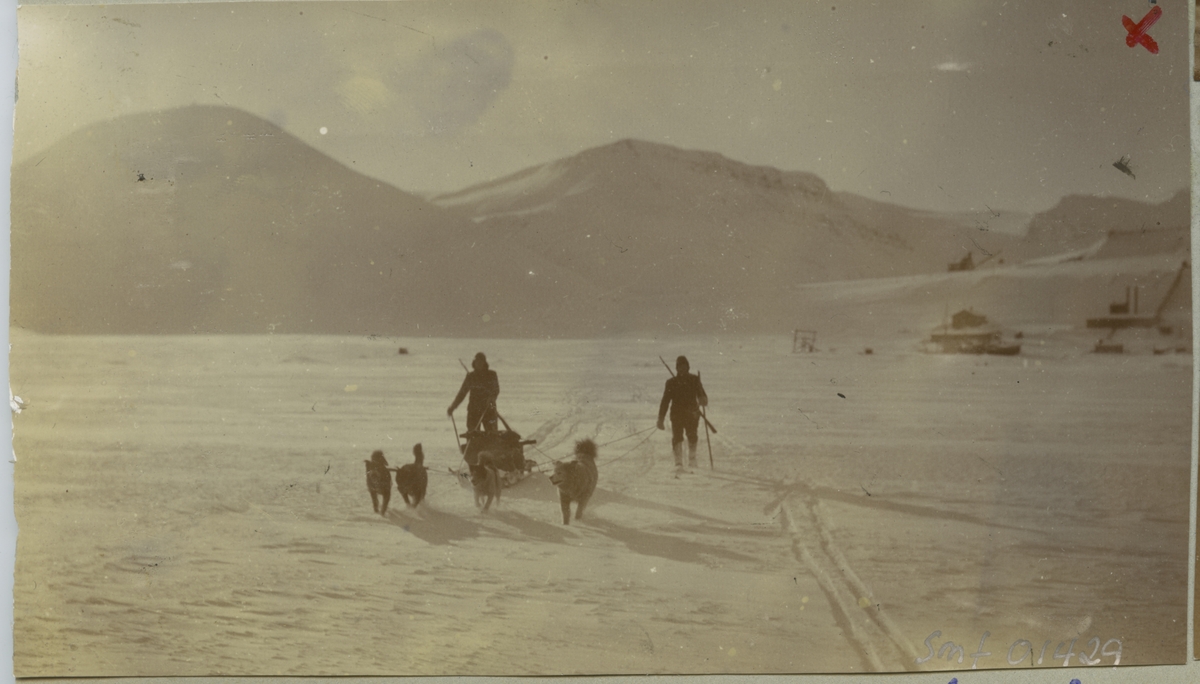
x=503, y=450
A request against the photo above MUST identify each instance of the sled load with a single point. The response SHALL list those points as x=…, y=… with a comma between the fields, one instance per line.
x=503, y=450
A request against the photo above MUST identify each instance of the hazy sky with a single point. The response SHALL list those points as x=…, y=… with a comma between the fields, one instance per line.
x=940, y=104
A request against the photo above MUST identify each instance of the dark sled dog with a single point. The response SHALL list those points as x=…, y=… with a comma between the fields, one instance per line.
x=485, y=480
x=379, y=482
x=576, y=480
x=412, y=480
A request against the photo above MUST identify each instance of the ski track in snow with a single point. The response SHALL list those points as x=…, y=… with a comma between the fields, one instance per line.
x=204, y=499
x=867, y=623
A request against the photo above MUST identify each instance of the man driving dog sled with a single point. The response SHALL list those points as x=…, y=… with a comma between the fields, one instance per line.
x=684, y=395
x=483, y=386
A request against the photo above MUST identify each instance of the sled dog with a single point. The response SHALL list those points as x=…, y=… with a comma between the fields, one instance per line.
x=576, y=480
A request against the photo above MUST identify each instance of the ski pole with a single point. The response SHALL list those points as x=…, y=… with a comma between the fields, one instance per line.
x=456, y=437
x=707, y=439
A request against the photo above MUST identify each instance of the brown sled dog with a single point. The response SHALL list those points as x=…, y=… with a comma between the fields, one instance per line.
x=412, y=480
x=379, y=482
x=485, y=481
x=576, y=481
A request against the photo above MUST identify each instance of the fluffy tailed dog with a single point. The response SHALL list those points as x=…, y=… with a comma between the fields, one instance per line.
x=576, y=481
x=379, y=482
x=485, y=481
x=412, y=480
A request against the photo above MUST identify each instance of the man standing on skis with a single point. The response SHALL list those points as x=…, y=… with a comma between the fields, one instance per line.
x=684, y=395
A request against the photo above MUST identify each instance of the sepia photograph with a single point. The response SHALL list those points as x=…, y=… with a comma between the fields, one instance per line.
x=601, y=338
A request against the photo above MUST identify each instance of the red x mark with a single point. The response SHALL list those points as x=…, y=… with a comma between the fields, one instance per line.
x=1137, y=32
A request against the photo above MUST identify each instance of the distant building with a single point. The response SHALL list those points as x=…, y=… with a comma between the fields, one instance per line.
x=1172, y=314
x=970, y=333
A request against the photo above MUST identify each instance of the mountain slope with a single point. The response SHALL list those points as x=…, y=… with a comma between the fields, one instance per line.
x=207, y=219
x=1079, y=221
x=210, y=220
x=698, y=242
x=691, y=237
x=708, y=217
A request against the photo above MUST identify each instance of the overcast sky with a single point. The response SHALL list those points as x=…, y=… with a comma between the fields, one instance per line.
x=943, y=104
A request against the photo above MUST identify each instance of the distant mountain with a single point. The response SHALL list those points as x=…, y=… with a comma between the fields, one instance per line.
x=1079, y=221
x=697, y=241
x=210, y=220
x=702, y=241
x=702, y=212
x=207, y=219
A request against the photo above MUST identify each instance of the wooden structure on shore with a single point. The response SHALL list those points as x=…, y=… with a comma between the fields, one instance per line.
x=970, y=333
x=1121, y=316
x=804, y=341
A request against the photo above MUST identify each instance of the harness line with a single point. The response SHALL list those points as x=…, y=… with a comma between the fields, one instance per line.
x=539, y=468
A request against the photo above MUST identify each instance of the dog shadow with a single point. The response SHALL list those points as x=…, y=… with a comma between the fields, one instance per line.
x=434, y=526
x=528, y=527
x=441, y=528
x=607, y=496
x=662, y=545
x=537, y=487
